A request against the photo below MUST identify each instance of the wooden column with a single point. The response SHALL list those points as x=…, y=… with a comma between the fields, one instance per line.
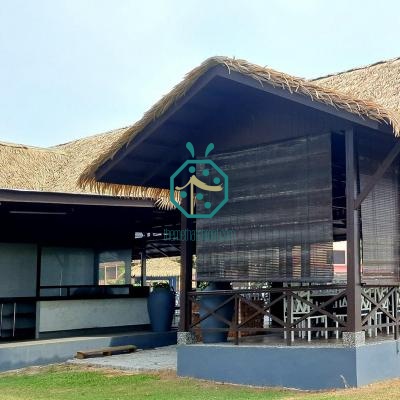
x=96, y=266
x=352, y=237
x=186, y=270
x=143, y=259
x=38, y=269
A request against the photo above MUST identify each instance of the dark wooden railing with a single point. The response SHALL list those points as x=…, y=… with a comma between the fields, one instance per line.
x=273, y=308
x=383, y=309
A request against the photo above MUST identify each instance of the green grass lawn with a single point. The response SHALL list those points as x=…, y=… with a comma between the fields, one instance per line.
x=73, y=382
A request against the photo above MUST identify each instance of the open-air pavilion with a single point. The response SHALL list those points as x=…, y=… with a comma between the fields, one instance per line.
x=309, y=163
x=55, y=238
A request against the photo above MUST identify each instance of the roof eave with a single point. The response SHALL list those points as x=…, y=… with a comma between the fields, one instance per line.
x=39, y=197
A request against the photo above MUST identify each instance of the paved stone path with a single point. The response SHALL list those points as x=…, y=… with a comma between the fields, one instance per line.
x=141, y=360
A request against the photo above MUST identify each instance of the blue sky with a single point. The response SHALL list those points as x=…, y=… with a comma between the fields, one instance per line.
x=78, y=67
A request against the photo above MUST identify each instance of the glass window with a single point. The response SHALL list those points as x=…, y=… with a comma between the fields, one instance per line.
x=115, y=267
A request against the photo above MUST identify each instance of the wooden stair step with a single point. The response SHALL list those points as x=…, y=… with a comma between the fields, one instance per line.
x=106, y=351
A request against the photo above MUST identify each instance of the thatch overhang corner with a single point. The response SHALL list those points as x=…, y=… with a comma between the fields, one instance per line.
x=160, y=197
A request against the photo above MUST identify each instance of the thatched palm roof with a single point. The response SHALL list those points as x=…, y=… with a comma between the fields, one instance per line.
x=371, y=92
x=158, y=267
x=57, y=169
x=28, y=168
x=378, y=82
x=324, y=91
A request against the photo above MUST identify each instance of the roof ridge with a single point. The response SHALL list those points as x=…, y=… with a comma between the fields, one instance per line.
x=92, y=136
x=22, y=146
x=390, y=60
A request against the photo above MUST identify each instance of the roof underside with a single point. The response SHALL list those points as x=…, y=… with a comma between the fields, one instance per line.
x=60, y=224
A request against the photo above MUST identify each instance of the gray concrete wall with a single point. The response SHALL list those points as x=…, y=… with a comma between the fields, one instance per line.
x=42, y=352
x=17, y=270
x=378, y=361
x=321, y=367
x=295, y=367
x=63, y=315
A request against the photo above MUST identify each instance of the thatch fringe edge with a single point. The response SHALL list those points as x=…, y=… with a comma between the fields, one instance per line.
x=161, y=197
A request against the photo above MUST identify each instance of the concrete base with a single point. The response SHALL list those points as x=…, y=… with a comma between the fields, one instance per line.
x=353, y=339
x=186, y=337
x=41, y=352
x=302, y=367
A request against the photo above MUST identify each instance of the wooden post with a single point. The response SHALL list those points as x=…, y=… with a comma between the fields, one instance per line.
x=353, y=238
x=396, y=316
x=38, y=269
x=96, y=267
x=187, y=224
x=383, y=167
x=143, y=258
x=289, y=321
x=237, y=313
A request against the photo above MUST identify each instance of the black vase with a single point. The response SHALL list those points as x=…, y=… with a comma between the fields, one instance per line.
x=161, y=307
x=212, y=302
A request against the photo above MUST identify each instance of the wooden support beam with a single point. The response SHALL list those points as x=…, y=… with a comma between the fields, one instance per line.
x=158, y=249
x=186, y=271
x=353, y=238
x=38, y=268
x=96, y=267
x=387, y=162
x=143, y=259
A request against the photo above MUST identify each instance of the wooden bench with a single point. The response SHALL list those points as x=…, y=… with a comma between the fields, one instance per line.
x=106, y=351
